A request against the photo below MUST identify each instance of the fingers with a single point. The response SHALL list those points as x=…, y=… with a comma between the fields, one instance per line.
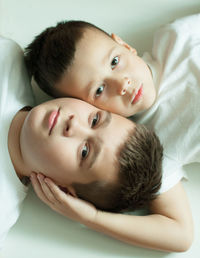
x=61, y=202
x=41, y=188
x=50, y=193
x=65, y=200
x=55, y=190
x=37, y=188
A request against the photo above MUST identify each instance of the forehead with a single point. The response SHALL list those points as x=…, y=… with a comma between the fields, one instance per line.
x=93, y=36
x=92, y=45
x=107, y=167
x=92, y=58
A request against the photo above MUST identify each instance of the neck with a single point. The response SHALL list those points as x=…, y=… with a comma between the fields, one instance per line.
x=14, y=144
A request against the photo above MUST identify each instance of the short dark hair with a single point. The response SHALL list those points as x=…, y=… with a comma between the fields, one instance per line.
x=139, y=178
x=52, y=52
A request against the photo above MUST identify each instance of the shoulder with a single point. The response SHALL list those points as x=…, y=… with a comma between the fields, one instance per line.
x=9, y=49
x=182, y=27
x=8, y=44
x=11, y=55
x=189, y=22
x=172, y=38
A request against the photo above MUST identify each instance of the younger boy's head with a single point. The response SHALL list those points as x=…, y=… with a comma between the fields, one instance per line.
x=98, y=156
x=77, y=59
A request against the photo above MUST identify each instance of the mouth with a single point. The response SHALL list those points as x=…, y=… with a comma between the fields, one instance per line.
x=137, y=95
x=53, y=119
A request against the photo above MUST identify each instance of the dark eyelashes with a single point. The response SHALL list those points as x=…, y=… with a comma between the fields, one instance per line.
x=97, y=119
x=86, y=152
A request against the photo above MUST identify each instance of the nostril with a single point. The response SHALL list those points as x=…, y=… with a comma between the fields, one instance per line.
x=127, y=80
x=123, y=92
x=69, y=123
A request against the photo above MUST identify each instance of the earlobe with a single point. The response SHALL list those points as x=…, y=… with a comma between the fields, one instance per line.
x=121, y=42
x=71, y=191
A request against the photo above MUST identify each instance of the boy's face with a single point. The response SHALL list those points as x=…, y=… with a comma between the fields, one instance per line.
x=72, y=141
x=108, y=73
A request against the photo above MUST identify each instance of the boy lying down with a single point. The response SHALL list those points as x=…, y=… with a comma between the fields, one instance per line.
x=160, y=90
x=93, y=154
x=99, y=153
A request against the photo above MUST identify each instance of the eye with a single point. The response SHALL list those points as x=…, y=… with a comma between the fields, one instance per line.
x=99, y=91
x=114, y=62
x=95, y=120
x=84, y=151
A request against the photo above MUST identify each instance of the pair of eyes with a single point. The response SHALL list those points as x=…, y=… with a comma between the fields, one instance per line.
x=85, y=150
x=113, y=64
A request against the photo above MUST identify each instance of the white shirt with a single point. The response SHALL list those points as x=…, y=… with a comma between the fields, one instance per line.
x=15, y=93
x=175, y=115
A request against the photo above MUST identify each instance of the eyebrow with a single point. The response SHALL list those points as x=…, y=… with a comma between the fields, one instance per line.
x=95, y=154
x=109, y=54
x=98, y=143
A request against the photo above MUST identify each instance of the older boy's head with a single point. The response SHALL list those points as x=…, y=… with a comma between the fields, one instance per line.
x=104, y=158
x=77, y=59
x=139, y=175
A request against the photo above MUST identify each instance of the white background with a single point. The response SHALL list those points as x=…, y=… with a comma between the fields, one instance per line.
x=40, y=232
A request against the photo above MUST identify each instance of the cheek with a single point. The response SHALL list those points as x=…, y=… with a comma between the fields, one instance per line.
x=116, y=104
x=62, y=153
x=117, y=107
x=58, y=162
x=142, y=68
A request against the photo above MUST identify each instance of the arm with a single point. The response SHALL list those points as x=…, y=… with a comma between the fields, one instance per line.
x=168, y=228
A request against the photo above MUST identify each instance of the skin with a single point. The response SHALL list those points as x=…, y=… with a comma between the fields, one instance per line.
x=33, y=147
x=108, y=73
x=64, y=153
x=170, y=220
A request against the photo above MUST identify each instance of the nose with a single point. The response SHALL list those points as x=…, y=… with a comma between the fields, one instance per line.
x=123, y=85
x=74, y=127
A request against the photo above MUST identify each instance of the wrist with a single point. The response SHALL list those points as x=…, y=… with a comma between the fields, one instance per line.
x=96, y=221
x=91, y=221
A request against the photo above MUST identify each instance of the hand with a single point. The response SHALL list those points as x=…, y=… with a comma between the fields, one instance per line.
x=61, y=202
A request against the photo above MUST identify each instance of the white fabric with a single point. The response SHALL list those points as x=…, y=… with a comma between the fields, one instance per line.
x=15, y=93
x=175, y=115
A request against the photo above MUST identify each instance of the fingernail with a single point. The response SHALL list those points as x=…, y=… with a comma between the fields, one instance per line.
x=39, y=177
x=32, y=176
x=46, y=181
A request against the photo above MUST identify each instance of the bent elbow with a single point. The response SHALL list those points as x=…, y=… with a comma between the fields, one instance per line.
x=186, y=241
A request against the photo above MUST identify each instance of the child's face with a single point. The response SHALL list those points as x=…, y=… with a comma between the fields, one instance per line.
x=109, y=74
x=80, y=147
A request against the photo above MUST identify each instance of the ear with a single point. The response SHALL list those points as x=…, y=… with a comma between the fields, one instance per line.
x=69, y=189
x=72, y=191
x=121, y=42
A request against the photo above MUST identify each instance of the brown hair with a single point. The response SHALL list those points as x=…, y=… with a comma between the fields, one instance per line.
x=52, y=52
x=140, y=173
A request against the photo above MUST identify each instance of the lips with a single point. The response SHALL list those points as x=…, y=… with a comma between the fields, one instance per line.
x=138, y=95
x=53, y=119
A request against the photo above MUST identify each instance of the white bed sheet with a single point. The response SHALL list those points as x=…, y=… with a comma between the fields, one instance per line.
x=40, y=232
